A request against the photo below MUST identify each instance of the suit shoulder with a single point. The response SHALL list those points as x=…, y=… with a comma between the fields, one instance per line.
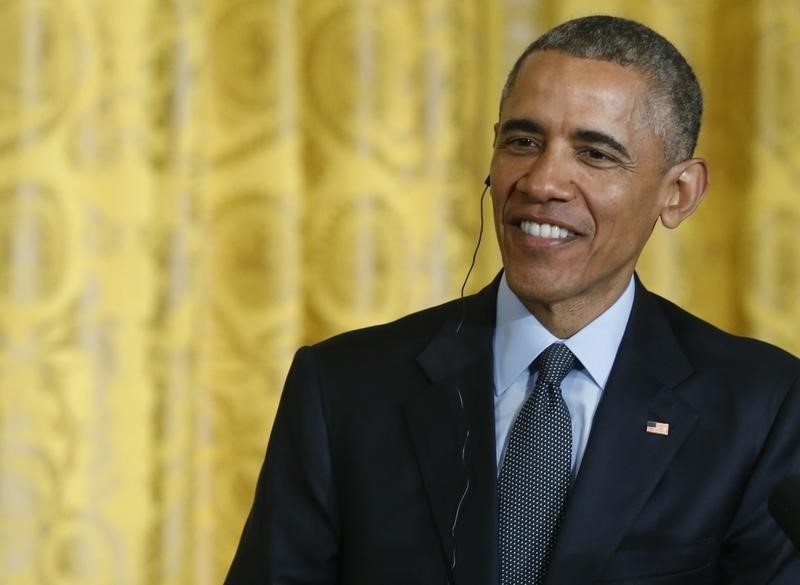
x=700, y=337
x=412, y=331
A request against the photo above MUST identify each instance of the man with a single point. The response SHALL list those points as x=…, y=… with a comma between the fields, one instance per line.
x=641, y=446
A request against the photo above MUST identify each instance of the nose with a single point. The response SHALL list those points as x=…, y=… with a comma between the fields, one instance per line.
x=548, y=176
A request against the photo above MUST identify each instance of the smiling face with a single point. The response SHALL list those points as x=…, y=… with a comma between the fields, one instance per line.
x=578, y=180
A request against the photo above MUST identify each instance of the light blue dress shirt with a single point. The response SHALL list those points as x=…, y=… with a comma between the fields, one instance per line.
x=519, y=338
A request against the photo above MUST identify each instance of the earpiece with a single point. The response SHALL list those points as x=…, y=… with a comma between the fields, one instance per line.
x=488, y=181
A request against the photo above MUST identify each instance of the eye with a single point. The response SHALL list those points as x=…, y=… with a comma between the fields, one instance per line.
x=522, y=141
x=597, y=157
x=522, y=144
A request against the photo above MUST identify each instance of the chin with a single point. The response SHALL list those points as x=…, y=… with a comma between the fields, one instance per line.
x=537, y=287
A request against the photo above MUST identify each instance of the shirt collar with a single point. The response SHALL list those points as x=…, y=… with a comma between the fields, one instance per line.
x=519, y=338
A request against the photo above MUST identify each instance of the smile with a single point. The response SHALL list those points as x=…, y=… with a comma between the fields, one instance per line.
x=545, y=230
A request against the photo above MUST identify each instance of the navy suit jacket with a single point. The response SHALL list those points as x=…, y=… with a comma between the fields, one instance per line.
x=381, y=464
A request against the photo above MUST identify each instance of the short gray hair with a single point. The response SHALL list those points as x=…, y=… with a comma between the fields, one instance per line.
x=675, y=99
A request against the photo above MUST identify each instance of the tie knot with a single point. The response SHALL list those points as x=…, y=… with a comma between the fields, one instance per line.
x=554, y=363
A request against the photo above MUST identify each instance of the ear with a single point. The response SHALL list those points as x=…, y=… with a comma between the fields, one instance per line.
x=686, y=185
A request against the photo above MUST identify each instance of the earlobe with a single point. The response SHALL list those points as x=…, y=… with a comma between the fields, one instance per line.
x=687, y=186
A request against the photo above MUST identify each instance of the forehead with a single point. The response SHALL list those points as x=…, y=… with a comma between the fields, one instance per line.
x=583, y=90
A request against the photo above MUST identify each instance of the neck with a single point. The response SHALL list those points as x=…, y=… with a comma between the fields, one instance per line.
x=564, y=319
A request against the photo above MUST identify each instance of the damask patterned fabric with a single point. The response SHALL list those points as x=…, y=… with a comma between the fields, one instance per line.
x=190, y=189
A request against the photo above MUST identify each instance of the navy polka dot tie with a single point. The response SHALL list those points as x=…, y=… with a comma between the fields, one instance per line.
x=536, y=474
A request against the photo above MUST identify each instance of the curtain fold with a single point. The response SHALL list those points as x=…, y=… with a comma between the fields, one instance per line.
x=191, y=189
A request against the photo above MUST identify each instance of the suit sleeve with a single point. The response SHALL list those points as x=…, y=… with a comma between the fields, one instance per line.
x=291, y=533
x=756, y=550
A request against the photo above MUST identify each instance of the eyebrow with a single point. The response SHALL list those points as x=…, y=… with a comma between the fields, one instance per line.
x=591, y=136
x=595, y=137
x=521, y=125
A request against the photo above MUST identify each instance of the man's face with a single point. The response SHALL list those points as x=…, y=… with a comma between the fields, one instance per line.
x=577, y=180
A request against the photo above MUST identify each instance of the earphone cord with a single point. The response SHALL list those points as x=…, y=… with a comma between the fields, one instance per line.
x=474, y=259
x=457, y=515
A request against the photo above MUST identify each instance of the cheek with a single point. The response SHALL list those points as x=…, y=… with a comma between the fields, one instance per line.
x=505, y=169
x=498, y=202
x=612, y=212
x=623, y=221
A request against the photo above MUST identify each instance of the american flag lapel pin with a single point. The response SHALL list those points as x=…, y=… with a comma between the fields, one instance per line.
x=657, y=428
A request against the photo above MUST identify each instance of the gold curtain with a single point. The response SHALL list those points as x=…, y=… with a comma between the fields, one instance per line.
x=193, y=188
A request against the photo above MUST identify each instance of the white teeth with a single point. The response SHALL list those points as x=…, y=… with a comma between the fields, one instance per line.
x=544, y=230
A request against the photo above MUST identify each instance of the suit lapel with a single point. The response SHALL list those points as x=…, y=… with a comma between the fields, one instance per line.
x=621, y=466
x=623, y=463
x=455, y=415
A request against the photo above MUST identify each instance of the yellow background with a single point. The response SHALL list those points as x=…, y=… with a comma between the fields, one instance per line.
x=190, y=189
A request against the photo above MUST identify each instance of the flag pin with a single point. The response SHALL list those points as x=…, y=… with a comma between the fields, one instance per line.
x=657, y=428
